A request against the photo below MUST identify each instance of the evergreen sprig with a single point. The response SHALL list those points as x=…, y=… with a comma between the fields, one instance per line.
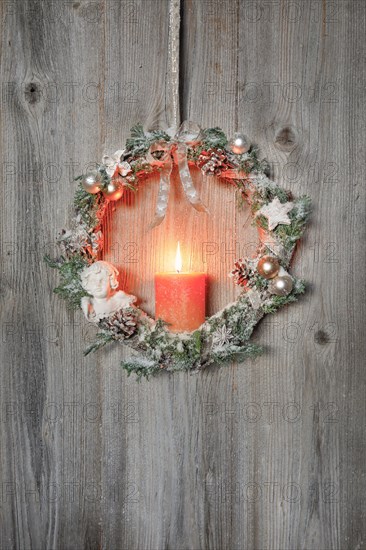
x=238, y=353
x=277, y=302
x=70, y=288
x=102, y=338
x=142, y=369
x=87, y=205
x=250, y=162
x=214, y=138
x=289, y=234
x=139, y=142
x=105, y=179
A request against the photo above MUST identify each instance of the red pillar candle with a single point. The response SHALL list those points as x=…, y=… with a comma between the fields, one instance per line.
x=180, y=298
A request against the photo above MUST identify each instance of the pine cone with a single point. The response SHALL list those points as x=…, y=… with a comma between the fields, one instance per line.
x=122, y=324
x=241, y=273
x=212, y=162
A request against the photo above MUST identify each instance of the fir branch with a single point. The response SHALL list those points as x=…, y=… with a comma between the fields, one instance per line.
x=139, y=142
x=277, y=302
x=186, y=357
x=53, y=264
x=289, y=234
x=260, y=220
x=158, y=135
x=137, y=131
x=250, y=162
x=302, y=209
x=267, y=190
x=257, y=164
x=70, y=288
x=214, y=138
x=194, y=152
x=105, y=179
x=197, y=338
x=141, y=165
x=239, y=317
x=87, y=206
x=249, y=350
x=102, y=338
x=141, y=367
x=238, y=353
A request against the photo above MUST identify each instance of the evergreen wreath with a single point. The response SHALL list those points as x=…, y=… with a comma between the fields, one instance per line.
x=265, y=284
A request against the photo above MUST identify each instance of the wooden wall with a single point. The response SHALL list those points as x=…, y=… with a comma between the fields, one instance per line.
x=263, y=455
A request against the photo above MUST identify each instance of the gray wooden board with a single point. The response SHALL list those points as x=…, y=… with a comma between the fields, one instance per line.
x=263, y=455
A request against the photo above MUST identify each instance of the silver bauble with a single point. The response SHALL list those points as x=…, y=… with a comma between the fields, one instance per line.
x=91, y=182
x=239, y=144
x=281, y=286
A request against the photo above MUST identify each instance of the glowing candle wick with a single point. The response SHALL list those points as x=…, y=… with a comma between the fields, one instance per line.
x=178, y=260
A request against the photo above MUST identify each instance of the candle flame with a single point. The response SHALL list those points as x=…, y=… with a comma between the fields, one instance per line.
x=178, y=259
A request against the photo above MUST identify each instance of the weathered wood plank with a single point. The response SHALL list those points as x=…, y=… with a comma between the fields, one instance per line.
x=290, y=96
x=45, y=452
x=268, y=454
x=168, y=477
x=54, y=121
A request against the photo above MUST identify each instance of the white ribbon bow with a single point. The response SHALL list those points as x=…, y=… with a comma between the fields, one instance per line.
x=175, y=150
x=114, y=162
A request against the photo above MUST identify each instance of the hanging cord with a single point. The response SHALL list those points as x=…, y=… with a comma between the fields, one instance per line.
x=174, y=30
x=182, y=135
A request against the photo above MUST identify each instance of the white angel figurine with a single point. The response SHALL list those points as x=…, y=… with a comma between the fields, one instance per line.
x=100, y=280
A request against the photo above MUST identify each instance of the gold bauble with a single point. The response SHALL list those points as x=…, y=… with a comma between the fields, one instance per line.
x=114, y=190
x=268, y=267
x=281, y=286
x=91, y=182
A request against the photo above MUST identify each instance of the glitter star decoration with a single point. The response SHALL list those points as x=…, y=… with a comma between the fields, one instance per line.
x=222, y=336
x=276, y=213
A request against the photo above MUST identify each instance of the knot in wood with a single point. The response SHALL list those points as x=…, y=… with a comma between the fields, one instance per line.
x=286, y=138
x=321, y=337
x=32, y=93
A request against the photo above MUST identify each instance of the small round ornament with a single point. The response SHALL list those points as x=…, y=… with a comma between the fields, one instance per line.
x=239, y=144
x=91, y=182
x=114, y=190
x=268, y=267
x=281, y=286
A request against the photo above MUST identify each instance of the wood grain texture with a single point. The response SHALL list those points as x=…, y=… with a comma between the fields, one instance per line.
x=264, y=455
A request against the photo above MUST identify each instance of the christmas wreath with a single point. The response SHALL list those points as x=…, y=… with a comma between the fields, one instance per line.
x=264, y=280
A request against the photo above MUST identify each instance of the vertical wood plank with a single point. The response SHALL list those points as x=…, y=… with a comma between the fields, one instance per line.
x=287, y=482
x=268, y=454
x=55, y=121
x=50, y=441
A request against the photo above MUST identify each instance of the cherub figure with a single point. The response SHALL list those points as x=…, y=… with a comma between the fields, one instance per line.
x=100, y=280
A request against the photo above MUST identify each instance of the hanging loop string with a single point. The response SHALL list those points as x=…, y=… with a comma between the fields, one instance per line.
x=174, y=46
x=182, y=136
